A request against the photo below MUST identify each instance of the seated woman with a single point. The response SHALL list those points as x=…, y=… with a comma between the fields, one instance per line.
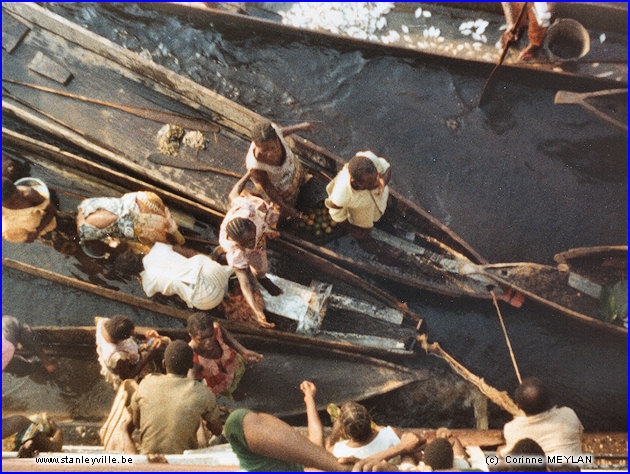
x=27, y=212
x=138, y=217
x=119, y=355
x=243, y=239
x=219, y=358
x=273, y=167
x=354, y=436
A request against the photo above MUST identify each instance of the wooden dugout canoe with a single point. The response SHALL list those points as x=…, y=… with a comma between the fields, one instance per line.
x=610, y=106
x=404, y=34
x=302, y=308
x=271, y=386
x=81, y=62
x=565, y=291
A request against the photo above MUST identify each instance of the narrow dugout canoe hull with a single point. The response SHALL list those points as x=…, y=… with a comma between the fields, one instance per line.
x=271, y=386
x=610, y=106
x=98, y=67
x=65, y=170
x=579, y=76
x=561, y=290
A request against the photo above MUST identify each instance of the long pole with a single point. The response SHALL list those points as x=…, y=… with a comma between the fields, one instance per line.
x=508, y=43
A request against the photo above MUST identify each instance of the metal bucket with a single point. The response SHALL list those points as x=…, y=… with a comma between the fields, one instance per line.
x=566, y=40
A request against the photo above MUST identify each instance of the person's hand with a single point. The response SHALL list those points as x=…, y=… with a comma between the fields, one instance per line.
x=348, y=460
x=309, y=389
x=443, y=433
x=411, y=441
x=50, y=365
x=262, y=320
x=155, y=346
x=251, y=356
x=152, y=333
x=381, y=184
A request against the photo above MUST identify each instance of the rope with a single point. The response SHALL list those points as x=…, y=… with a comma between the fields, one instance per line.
x=507, y=339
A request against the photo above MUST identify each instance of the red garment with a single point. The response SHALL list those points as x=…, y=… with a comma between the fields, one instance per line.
x=218, y=373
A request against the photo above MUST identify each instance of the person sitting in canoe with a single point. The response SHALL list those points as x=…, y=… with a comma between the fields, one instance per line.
x=357, y=197
x=119, y=355
x=242, y=238
x=539, y=16
x=273, y=167
x=168, y=409
x=27, y=212
x=141, y=218
x=219, y=358
x=354, y=435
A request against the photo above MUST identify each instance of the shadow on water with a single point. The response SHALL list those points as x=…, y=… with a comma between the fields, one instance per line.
x=595, y=159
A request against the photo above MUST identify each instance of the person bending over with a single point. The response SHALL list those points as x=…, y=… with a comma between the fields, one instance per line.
x=119, y=355
x=242, y=237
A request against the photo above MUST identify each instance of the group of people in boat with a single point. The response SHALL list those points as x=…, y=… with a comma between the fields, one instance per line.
x=172, y=412
x=177, y=410
x=141, y=223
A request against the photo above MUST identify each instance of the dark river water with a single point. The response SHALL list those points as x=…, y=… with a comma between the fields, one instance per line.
x=520, y=180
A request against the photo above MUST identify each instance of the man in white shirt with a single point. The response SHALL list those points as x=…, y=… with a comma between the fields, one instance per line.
x=357, y=197
x=556, y=430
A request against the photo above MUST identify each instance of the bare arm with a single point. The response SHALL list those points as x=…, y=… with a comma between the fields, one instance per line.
x=239, y=186
x=249, y=356
x=247, y=288
x=315, y=429
x=266, y=435
x=261, y=179
x=300, y=127
x=409, y=442
x=387, y=176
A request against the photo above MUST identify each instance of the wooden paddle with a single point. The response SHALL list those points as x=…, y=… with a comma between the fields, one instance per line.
x=581, y=99
x=508, y=43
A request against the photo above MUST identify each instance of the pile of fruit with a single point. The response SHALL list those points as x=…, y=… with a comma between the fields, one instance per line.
x=317, y=222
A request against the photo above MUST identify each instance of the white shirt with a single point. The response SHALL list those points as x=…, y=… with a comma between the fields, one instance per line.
x=200, y=281
x=557, y=431
x=386, y=438
x=361, y=208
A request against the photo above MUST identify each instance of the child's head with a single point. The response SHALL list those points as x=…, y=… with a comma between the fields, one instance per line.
x=363, y=173
x=355, y=421
x=178, y=358
x=200, y=330
x=119, y=328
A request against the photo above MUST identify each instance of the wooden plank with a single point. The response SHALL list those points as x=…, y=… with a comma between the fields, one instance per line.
x=13, y=32
x=47, y=67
